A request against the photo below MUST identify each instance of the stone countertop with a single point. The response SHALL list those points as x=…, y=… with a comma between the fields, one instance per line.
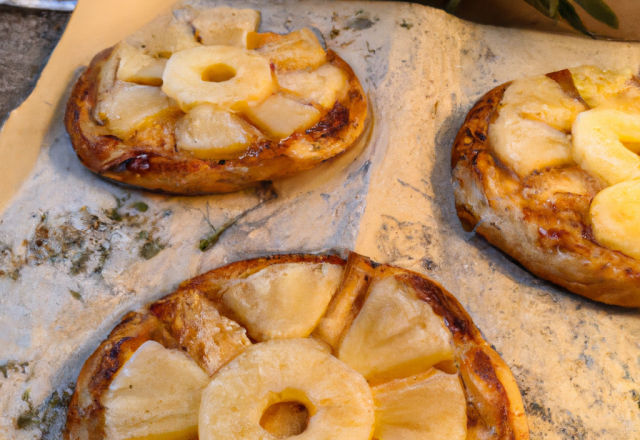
x=27, y=38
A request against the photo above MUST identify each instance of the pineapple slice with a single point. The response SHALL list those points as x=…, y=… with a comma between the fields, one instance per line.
x=598, y=137
x=156, y=393
x=225, y=26
x=224, y=76
x=337, y=398
x=530, y=131
x=163, y=37
x=540, y=98
x=429, y=406
x=322, y=85
x=137, y=67
x=214, y=134
x=283, y=300
x=395, y=335
x=281, y=116
x=127, y=105
x=527, y=145
x=296, y=50
x=598, y=86
x=614, y=215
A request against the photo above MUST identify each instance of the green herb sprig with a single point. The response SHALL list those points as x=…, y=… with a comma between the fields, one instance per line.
x=564, y=9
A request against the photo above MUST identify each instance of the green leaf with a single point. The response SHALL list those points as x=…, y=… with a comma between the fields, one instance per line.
x=599, y=10
x=547, y=7
x=452, y=5
x=568, y=12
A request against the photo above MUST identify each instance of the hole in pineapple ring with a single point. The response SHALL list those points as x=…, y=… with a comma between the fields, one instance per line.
x=287, y=414
x=285, y=419
x=218, y=73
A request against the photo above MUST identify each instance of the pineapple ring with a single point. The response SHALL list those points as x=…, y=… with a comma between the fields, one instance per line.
x=472, y=394
x=598, y=137
x=220, y=75
x=220, y=122
x=614, y=215
x=286, y=370
x=545, y=218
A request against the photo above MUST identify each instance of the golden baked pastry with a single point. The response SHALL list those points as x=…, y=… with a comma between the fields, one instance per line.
x=198, y=102
x=290, y=344
x=547, y=167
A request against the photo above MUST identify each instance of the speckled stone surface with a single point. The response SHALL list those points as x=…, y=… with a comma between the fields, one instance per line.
x=27, y=38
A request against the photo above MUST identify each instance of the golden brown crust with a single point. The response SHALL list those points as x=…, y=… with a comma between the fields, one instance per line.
x=495, y=407
x=150, y=159
x=546, y=231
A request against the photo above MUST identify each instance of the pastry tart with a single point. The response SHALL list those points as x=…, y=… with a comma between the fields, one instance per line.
x=198, y=102
x=304, y=346
x=547, y=169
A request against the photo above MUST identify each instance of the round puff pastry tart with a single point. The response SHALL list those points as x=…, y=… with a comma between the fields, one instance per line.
x=304, y=346
x=198, y=102
x=547, y=169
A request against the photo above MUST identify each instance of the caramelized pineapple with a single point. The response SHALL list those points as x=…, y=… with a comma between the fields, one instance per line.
x=429, y=406
x=296, y=50
x=223, y=76
x=395, y=335
x=214, y=134
x=281, y=116
x=321, y=86
x=530, y=132
x=338, y=399
x=156, y=393
x=284, y=300
x=126, y=106
x=225, y=26
x=614, y=215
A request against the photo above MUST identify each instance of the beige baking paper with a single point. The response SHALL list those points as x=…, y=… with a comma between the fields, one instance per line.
x=77, y=252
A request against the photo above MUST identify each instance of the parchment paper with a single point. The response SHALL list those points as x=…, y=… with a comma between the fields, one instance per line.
x=77, y=252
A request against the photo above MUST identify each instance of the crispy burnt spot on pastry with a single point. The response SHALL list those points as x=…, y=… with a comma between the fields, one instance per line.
x=191, y=115
x=275, y=344
x=531, y=194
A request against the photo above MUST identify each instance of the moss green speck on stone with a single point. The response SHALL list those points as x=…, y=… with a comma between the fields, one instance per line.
x=151, y=248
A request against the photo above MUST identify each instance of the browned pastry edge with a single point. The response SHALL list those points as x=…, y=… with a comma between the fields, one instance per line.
x=551, y=237
x=494, y=404
x=149, y=158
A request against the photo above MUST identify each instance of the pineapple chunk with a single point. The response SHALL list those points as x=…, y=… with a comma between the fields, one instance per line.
x=598, y=86
x=225, y=26
x=283, y=300
x=214, y=134
x=127, y=105
x=527, y=145
x=281, y=116
x=395, y=335
x=614, y=215
x=337, y=398
x=224, y=76
x=137, y=67
x=542, y=99
x=296, y=50
x=429, y=406
x=163, y=37
x=529, y=133
x=598, y=137
x=210, y=338
x=322, y=85
x=156, y=393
